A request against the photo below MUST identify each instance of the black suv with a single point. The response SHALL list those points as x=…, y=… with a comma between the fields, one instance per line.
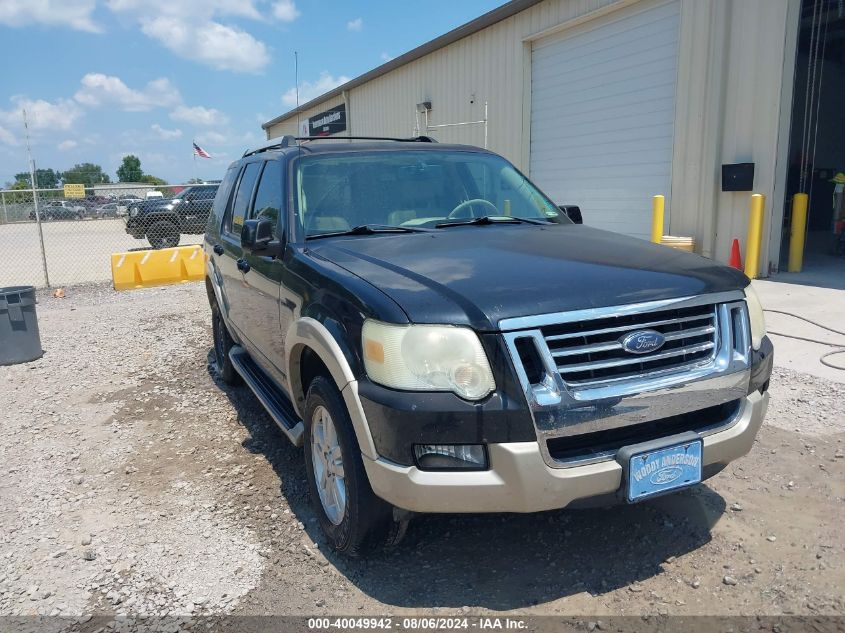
x=163, y=220
x=441, y=337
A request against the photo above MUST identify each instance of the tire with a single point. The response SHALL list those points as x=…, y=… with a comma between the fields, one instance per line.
x=163, y=234
x=222, y=344
x=365, y=522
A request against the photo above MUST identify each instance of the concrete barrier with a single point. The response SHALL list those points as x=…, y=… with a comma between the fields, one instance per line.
x=164, y=267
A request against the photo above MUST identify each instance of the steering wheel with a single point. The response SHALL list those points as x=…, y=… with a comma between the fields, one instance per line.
x=467, y=204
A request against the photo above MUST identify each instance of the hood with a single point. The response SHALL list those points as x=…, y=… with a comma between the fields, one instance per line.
x=479, y=275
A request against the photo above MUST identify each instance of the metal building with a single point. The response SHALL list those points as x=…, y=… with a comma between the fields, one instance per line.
x=605, y=103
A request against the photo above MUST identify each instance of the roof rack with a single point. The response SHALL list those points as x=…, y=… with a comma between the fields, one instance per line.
x=287, y=140
x=274, y=143
x=412, y=139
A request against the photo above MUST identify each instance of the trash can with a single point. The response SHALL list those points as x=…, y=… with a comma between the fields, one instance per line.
x=20, y=341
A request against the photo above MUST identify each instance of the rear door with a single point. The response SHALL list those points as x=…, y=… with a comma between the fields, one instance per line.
x=262, y=318
x=232, y=264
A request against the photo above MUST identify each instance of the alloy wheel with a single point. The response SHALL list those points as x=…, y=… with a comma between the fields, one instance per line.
x=327, y=459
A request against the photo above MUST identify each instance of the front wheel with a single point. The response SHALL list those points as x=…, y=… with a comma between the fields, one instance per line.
x=354, y=520
x=163, y=234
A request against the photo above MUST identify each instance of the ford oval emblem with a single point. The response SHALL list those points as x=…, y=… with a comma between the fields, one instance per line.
x=642, y=341
x=666, y=475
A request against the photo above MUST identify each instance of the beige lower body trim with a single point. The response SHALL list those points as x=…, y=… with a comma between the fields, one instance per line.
x=520, y=481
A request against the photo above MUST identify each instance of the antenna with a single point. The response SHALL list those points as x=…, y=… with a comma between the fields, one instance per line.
x=296, y=81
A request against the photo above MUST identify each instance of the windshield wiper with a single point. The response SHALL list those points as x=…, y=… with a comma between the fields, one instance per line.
x=371, y=229
x=487, y=219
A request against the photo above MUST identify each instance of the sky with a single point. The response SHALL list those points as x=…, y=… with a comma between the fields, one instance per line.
x=101, y=79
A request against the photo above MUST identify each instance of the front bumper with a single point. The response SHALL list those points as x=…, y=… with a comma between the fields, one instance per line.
x=520, y=481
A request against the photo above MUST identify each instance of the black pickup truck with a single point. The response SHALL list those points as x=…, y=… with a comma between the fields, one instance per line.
x=441, y=337
x=163, y=220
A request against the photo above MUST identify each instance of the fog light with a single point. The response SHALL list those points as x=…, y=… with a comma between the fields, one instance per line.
x=451, y=456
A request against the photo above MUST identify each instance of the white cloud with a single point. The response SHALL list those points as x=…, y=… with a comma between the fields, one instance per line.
x=199, y=116
x=164, y=133
x=75, y=14
x=312, y=89
x=199, y=10
x=41, y=115
x=211, y=136
x=66, y=145
x=385, y=57
x=285, y=10
x=6, y=137
x=102, y=90
x=192, y=29
x=355, y=25
x=210, y=43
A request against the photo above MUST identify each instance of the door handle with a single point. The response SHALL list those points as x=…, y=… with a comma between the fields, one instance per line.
x=243, y=266
x=218, y=250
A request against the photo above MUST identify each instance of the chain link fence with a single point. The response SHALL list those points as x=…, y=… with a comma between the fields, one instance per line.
x=47, y=239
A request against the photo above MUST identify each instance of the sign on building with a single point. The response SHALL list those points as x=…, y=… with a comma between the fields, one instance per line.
x=328, y=122
x=75, y=191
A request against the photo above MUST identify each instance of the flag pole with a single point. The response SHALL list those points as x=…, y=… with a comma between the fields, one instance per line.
x=194, y=153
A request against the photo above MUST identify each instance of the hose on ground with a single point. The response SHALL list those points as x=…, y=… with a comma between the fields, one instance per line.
x=822, y=359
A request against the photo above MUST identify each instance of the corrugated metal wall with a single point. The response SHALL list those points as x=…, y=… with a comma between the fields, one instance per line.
x=734, y=85
x=458, y=79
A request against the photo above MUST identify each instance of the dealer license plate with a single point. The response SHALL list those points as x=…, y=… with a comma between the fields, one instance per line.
x=664, y=469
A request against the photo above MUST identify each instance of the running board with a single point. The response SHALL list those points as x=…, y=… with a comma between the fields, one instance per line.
x=265, y=389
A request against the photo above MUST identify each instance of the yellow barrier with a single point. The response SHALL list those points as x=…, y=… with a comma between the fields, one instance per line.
x=145, y=269
x=797, y=232
x=755, y=236
x=657, y=208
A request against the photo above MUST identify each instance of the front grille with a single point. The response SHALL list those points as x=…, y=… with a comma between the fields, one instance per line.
x=611, y=440
x=588, y=352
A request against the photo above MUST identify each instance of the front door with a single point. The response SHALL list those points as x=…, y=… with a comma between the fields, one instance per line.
x=261, y=319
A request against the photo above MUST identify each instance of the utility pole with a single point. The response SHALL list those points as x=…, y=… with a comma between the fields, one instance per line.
x=35, y=201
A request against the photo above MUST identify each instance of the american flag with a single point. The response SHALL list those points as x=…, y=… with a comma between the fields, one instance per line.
x=199, y=151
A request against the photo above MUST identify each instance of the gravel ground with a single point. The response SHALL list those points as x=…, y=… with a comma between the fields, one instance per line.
x=132, y=482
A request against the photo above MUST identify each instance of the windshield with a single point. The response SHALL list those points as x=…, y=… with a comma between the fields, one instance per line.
x=336, y=192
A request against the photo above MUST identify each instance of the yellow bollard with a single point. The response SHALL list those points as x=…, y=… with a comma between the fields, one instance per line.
x=797, y=232
x=755, y=236
x=657, y=207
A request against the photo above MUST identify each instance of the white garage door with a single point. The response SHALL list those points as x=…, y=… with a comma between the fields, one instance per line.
x=602, y=113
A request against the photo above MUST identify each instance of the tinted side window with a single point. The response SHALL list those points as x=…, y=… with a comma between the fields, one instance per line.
x=224, y=193
x=241, y=204
x=268, y=197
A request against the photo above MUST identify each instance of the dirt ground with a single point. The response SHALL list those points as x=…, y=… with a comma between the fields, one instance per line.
x=133, y=482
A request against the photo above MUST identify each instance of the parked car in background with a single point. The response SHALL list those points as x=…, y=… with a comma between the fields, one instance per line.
x=163, y=220
x=108, y=210
x=439, y=336
x=124, y=202
x=59, y=210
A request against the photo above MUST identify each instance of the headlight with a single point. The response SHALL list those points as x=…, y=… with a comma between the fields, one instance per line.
x=755, y=315
x=427, y=358
x=133, y=211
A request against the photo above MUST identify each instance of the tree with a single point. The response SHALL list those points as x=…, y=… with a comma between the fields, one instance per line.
x=130, y=169
x=152, y=180
x=87, y=174
x=44, y=178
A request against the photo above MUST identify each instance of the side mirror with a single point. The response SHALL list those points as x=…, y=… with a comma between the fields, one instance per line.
x=573, y=212
x=257, y=237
